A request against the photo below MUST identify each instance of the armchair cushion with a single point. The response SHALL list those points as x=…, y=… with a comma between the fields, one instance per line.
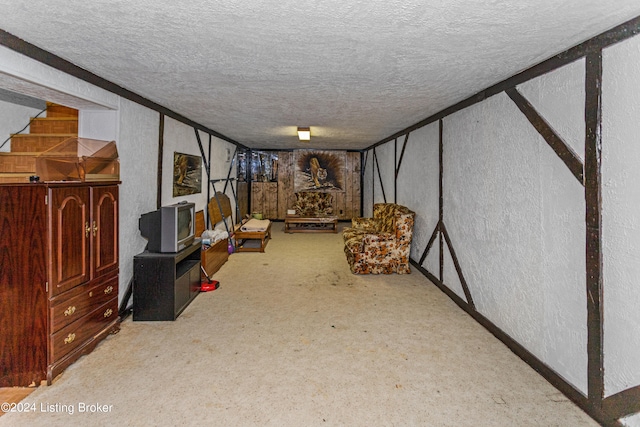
x=313, y=203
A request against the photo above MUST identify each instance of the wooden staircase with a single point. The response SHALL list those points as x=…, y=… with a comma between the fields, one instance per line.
x=19, y=164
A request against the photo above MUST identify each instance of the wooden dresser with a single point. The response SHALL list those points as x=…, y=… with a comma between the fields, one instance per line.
x=59, y=276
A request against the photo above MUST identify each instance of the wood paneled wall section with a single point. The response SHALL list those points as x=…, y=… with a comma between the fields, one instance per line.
x=243, y=199
x=286, y=171
x=346, y=204
x=264, y=199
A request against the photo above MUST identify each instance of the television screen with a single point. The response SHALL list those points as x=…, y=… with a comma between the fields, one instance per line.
x=184, y=224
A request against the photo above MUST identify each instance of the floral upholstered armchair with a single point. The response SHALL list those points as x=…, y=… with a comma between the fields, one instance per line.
x=313, y=204
x=380, y=244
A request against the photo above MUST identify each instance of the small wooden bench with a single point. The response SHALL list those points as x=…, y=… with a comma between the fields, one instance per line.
x=251, y=241
x=302, y=224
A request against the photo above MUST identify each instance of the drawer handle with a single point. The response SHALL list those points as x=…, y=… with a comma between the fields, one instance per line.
x=87, y=229
x=108, y=290
x=95, y=229
x=69, y=339
x=69, y=311
x=108, y=313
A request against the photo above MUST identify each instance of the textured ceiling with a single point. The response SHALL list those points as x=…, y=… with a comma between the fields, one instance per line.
x=355, y=71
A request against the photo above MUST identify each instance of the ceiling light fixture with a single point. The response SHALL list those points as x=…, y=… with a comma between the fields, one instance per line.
x=304, y=133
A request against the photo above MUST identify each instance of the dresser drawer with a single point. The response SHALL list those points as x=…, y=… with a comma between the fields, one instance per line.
x=78, y=332
x=81, y=303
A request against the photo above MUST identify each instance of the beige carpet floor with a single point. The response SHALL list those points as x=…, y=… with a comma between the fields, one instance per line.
x=292, y=338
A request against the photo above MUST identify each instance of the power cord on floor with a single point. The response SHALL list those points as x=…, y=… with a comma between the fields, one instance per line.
x=125, y=308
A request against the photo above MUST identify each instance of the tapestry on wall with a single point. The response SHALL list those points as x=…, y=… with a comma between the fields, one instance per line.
x=319, y=170
x=187, y=174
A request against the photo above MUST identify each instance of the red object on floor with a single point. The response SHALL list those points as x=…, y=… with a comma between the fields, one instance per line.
x=208, y=287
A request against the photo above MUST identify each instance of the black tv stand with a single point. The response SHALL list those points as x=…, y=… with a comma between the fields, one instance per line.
x=164, y=284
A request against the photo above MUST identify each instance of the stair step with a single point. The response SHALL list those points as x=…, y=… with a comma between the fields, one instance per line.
x=55, y=110
x=25, y=142
x=13, y=178
x=54, y=125
x=18, y=162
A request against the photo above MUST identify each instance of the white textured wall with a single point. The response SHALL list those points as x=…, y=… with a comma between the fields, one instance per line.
x=621, y=216
x=515, y=217
x=138, y=150
x=181, y=138
x=220, y=169
x=13, y=118
x=559, y=97
x=99, y=124
x=418, y=190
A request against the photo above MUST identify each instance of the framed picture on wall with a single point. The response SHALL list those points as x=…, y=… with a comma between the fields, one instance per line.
x=319, y=170
x=187, y=174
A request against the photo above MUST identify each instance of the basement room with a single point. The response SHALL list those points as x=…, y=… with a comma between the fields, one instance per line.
x=292, y=213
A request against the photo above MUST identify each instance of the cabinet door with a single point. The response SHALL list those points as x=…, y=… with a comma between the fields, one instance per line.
x=271, y=200
x=104, y=229
x=69, y=237
x=257, y=197
x=23, y=273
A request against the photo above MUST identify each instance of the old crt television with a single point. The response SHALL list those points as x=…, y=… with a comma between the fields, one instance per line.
x=170, y=228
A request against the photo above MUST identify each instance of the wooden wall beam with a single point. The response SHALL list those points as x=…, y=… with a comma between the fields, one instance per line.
x=564, y=151
x=404, y=146
x=435, y=233
x=441, y=196
x=375, y=157
x=207, y=168
x=593, y=218
x=160, y=156
x=395, y=170
x=622, y=404
x=456, y=263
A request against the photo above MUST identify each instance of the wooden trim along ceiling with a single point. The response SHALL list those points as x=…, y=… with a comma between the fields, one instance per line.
x=617, y=34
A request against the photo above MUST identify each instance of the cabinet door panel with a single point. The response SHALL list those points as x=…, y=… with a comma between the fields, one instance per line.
x=104, y=229
x=257, y=197
x=70, y=230
x=271, y=200
x=23, y=300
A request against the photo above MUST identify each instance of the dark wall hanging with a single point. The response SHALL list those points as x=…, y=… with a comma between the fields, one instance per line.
x=187, y=174
x=319, y=170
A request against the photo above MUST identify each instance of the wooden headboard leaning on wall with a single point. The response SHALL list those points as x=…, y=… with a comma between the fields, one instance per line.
x=215, y=214
x=200, y=227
